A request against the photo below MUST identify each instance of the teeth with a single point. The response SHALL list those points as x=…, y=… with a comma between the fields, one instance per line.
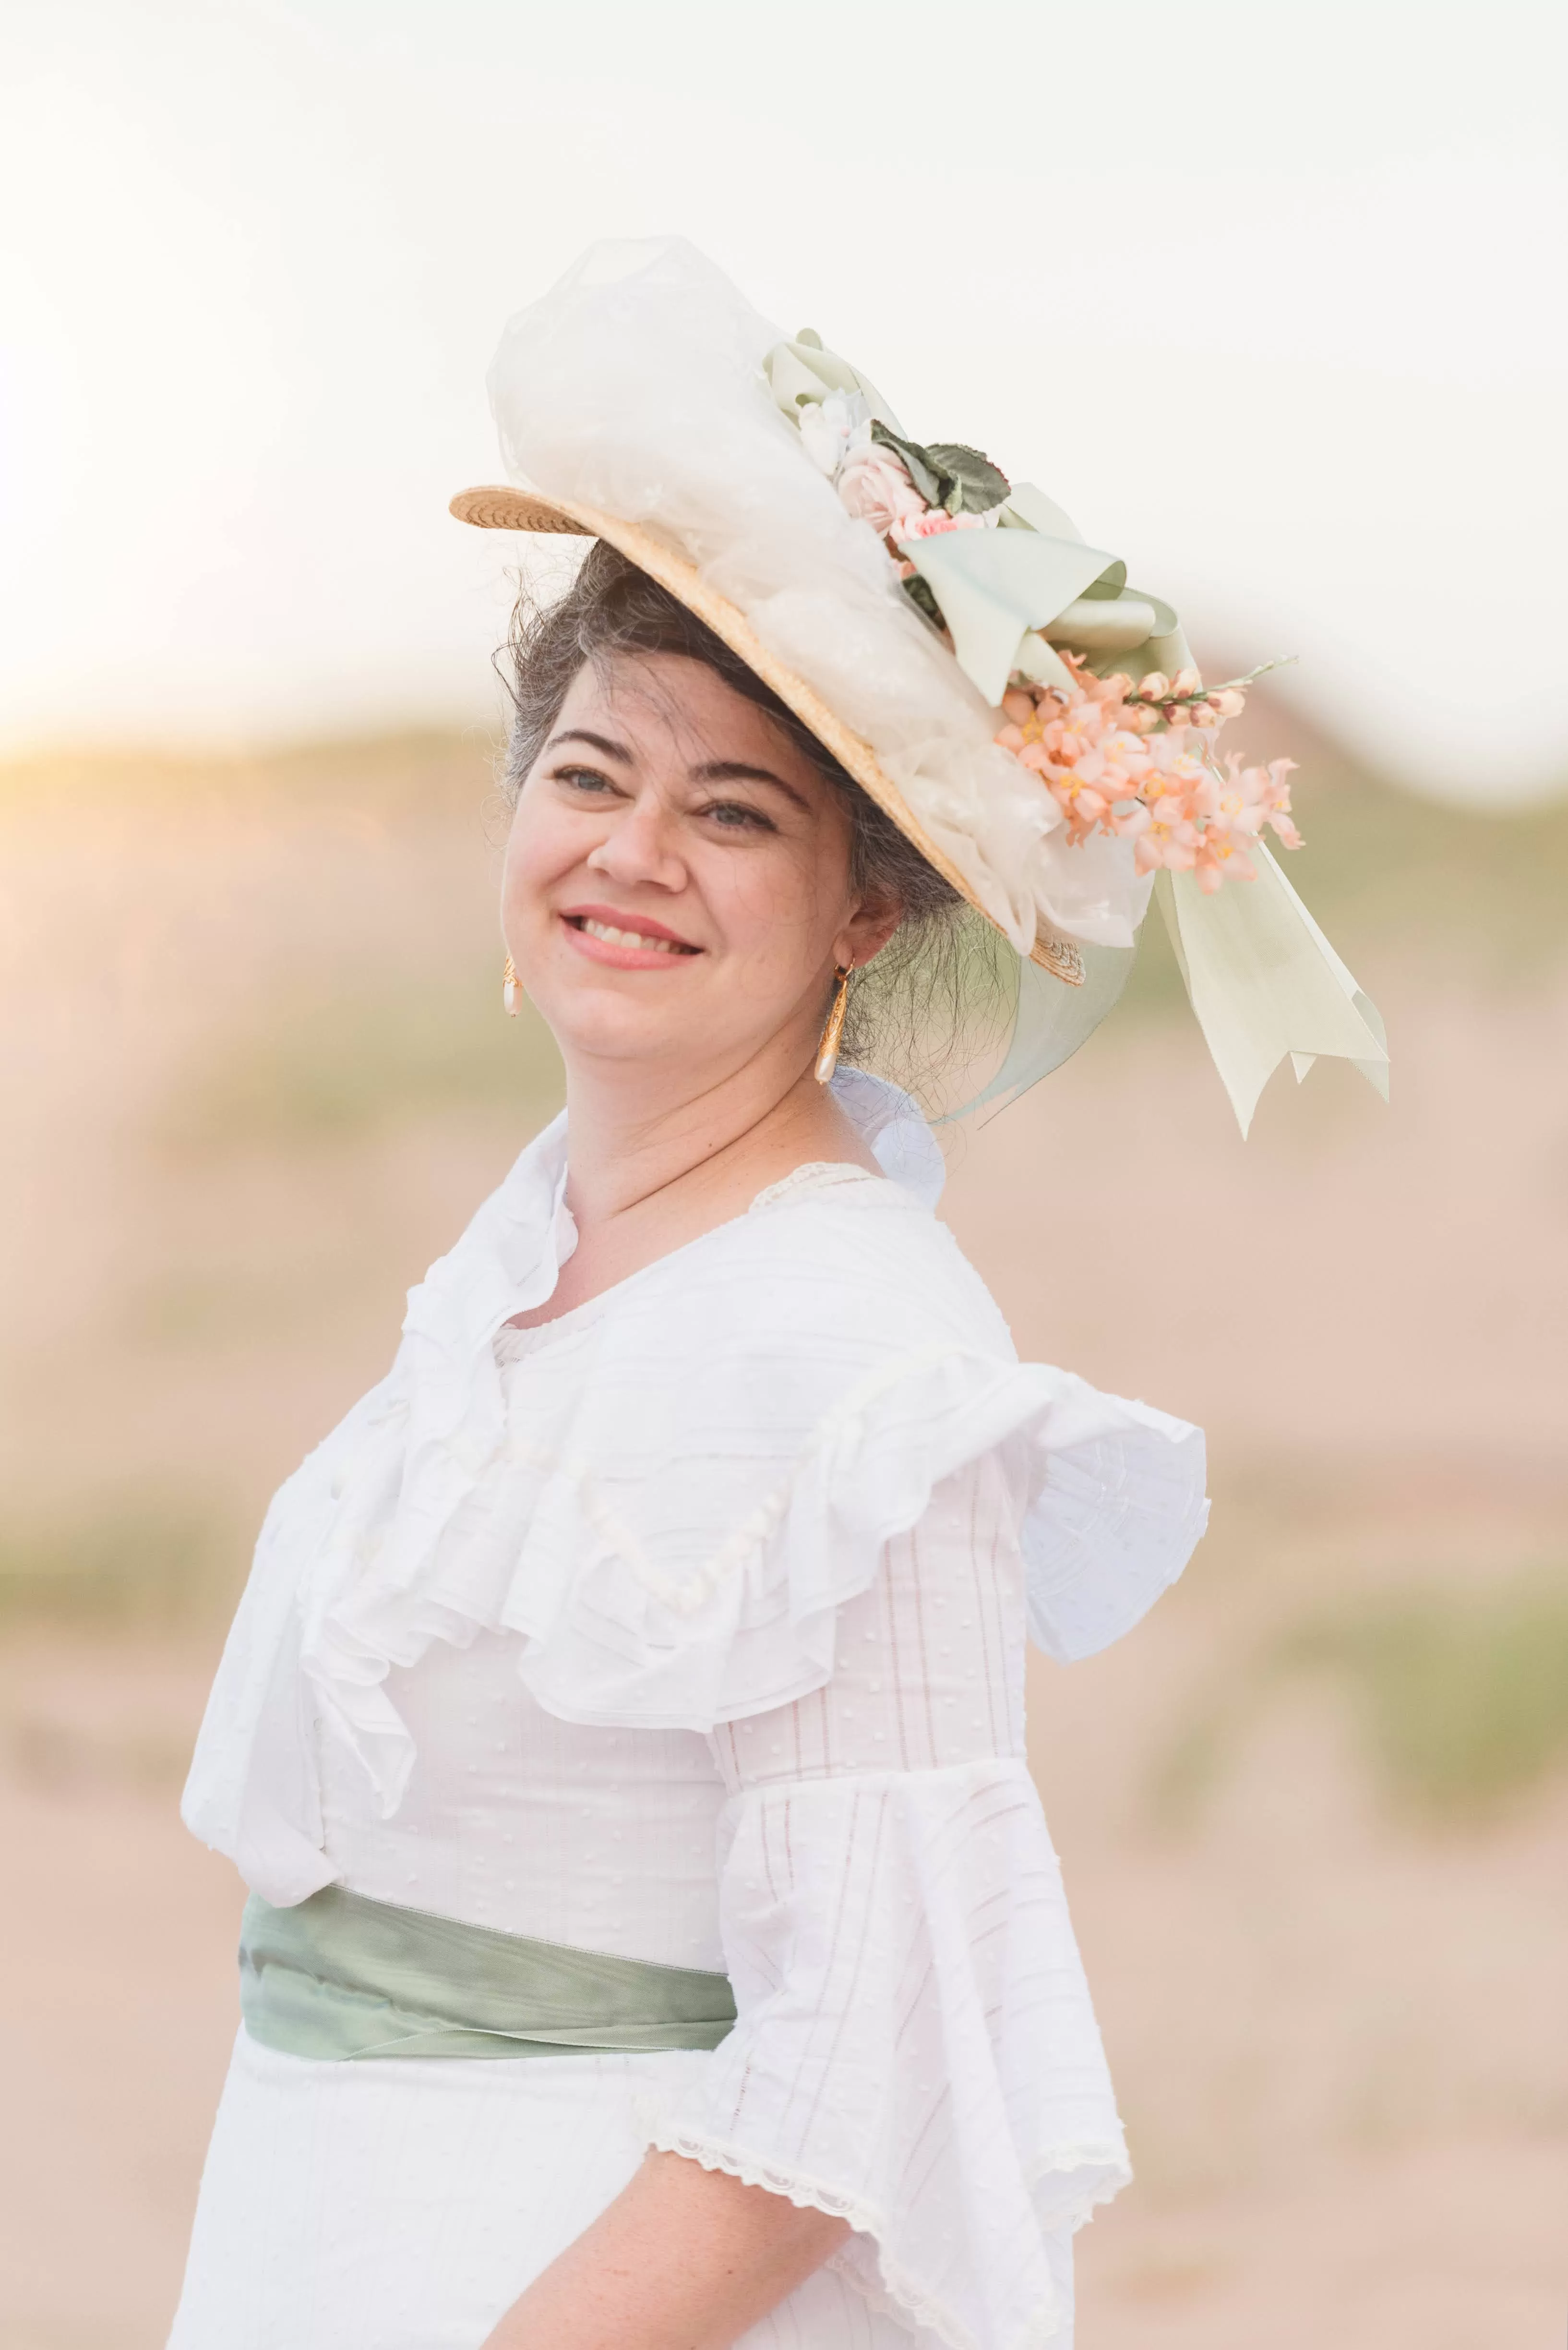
x=612, y=937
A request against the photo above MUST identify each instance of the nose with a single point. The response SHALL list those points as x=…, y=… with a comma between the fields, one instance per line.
x=640, y=846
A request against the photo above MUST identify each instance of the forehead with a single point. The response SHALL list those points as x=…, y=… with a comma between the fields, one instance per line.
x=669, y=705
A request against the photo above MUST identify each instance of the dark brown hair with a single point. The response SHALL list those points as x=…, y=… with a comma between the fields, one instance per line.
x=612, y=611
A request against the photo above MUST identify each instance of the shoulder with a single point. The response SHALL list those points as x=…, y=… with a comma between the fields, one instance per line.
x=771, y=1337
x=863, y=1261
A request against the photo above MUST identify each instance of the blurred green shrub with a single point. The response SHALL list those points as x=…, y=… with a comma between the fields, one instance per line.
x=331, y=1065
x=1462, y=1702
x=1393, y=873
x=139, y=1557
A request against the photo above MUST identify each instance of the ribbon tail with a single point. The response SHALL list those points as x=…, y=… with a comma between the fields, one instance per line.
x=1266, y=985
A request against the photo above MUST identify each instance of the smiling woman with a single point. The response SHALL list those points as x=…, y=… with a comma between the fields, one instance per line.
x=624, y=1719
x=672, y=820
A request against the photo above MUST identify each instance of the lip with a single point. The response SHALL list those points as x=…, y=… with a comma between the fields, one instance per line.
x=623, y=958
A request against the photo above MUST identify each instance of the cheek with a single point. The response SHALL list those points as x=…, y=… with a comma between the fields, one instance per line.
x=772, y=905
x=543, y=844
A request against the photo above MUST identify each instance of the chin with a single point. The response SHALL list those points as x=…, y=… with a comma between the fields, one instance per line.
x=589, y=1031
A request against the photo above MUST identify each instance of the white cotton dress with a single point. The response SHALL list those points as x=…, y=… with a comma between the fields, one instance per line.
x=688, y=1627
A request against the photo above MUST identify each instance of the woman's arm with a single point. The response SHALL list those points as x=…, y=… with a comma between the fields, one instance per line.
x=684, y=2258
x=893, y=1794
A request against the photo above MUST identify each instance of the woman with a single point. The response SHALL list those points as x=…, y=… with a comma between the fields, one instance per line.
x=655, y=1940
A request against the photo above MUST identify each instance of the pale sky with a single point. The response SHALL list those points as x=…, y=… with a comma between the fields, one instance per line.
x=1271, y=296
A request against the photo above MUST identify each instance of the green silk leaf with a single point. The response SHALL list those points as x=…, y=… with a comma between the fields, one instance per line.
x=948, y=474
x=975, y=483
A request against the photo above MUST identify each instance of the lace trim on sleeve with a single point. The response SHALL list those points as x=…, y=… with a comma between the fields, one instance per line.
x=887, y=2289
x=916, y=2052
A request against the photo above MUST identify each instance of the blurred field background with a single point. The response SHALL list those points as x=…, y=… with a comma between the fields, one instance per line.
x=1257, y=293
x=1314, y=1816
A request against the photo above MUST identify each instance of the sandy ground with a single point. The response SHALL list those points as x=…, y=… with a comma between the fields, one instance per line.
x=1339, y=2045
x=1340, y=2032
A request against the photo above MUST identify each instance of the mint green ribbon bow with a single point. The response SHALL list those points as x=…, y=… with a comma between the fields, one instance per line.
x=1010, y=594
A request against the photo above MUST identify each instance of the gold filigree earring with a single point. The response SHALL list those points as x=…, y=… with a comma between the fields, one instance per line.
x=511, y=988
x=827, y=1051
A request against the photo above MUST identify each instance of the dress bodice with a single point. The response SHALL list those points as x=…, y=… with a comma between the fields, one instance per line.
x=607, y=1838
x=604, y=1839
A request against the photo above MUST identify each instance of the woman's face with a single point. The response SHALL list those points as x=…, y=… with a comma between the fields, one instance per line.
x=677, y=879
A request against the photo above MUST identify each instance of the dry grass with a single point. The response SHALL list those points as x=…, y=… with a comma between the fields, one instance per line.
x=1460, y=1700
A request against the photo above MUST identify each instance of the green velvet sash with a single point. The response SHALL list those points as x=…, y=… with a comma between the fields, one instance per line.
x=343, y=1977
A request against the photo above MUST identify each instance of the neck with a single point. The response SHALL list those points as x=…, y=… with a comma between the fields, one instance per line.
x=643, y=1136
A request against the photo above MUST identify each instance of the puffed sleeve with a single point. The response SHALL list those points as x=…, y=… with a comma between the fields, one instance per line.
x=914, y=2049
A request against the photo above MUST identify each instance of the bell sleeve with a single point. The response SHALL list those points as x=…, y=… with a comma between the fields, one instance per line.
x=915, y=2051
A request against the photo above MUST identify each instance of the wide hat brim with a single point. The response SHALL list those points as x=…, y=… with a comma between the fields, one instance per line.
x=500, y=506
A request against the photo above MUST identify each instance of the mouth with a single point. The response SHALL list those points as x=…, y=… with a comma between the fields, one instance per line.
x=625, y=941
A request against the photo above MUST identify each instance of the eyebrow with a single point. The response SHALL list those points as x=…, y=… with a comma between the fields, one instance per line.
x=599, y=742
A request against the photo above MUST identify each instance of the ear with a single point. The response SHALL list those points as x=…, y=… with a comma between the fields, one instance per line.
x=867, y=931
